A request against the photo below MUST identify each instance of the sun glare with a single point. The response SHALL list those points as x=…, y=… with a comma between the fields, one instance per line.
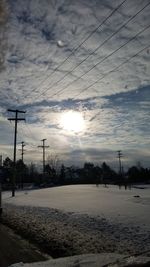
x=72, y=121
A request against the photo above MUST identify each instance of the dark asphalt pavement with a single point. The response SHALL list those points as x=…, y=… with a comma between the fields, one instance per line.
x=14, y=249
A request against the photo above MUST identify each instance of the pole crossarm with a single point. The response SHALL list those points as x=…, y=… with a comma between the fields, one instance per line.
x=18, y=119
x=16, y=110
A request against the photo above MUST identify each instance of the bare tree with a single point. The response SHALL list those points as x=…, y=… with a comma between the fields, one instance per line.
x=54, y=162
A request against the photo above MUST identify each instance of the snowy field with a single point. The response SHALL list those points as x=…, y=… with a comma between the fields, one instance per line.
x=109, y=202
x=81, y=219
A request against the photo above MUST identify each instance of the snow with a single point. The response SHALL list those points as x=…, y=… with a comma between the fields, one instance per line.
x=109, y=202
x=82, y=219
x=80, y=260
x=91, y=260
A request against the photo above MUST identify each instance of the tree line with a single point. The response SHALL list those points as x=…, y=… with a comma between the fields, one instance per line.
x=56, y=174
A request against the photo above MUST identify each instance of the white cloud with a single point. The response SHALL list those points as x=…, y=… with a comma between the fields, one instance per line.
x=31, y=82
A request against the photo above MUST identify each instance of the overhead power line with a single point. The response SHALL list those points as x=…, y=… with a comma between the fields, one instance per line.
x=75, y=49
x=113, y=70
x=106, y=57
x=29, y=134
x=84, y=89
x=112, y=35
x=90, y=54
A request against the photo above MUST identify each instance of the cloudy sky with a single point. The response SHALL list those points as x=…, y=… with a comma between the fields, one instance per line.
x=90, y=58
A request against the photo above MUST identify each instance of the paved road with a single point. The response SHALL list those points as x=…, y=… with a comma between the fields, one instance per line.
x=14, y=249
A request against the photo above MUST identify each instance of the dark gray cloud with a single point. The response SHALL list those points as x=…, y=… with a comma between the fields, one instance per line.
x=134, y=106
x=66, y=104
x=131, y=98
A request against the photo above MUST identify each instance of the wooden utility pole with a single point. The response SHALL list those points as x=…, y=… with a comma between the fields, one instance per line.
x=43, y=146
x=120, y=165
x=22, y=150
x=1, y=186
x=0, y=198
x=16, y=119
x=22, y=153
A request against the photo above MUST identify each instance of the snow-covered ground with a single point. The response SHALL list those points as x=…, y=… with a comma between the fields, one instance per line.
x=91, y=260
x=109, y=202
x=81, y=219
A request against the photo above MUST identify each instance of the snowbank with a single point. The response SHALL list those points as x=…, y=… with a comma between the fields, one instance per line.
x=91, y=260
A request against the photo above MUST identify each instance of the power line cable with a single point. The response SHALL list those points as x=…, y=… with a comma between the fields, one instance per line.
x=24, y=132
x=20, y=132
x=28, y=135
x=75, y=49
x=72, y=82
x=113, y=70
x=98, y=62
x=30, y=131
x=106, y=57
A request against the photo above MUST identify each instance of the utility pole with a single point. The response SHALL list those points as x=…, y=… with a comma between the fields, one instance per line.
x=0, y=198
x=120, y=165
x=43, y=146
x=0, y=187
x=22, y=150
x=16, y=119
x=22, y=153
x=1, y=160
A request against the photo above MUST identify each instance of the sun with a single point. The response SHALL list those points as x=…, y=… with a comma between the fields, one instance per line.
x=72, y=121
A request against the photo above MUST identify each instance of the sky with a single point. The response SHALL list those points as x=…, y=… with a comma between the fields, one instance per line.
x=84, y=57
